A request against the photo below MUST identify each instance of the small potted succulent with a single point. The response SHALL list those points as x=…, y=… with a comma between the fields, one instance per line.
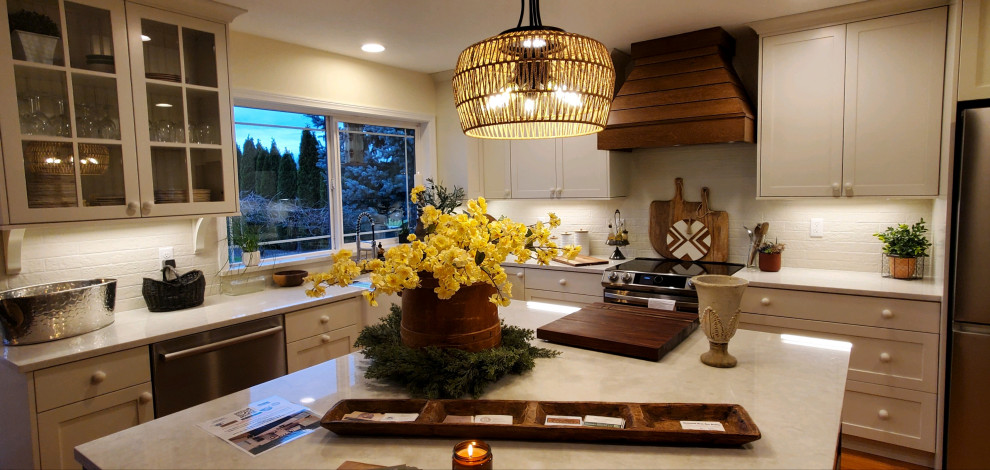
x=903, y=245
x=770, y=256
x=36, y=33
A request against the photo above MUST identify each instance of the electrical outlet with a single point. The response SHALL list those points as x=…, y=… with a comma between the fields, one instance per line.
x=165, y=253
x=817, y=228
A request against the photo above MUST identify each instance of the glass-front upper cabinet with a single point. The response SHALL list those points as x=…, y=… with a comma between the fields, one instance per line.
x=182, y=113
x=70, y=151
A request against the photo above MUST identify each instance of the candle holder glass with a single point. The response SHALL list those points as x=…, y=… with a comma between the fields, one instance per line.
x=472, y=455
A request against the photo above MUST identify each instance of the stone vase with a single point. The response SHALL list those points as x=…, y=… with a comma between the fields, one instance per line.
x=718, y=311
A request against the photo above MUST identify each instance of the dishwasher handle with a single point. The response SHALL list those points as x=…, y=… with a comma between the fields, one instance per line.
x=218, y=345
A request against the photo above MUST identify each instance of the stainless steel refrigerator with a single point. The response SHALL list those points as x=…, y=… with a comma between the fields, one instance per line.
x=966, y=444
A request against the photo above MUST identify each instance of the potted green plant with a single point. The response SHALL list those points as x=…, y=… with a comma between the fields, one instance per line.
x=770, y=256
x=903, y=245
x=248, y=241
x=36, y=34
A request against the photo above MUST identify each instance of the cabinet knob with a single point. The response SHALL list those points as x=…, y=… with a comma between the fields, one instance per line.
x=884, y=357
x=325, y=338
x=563, y=282
x=765, y=301
x=835, y=186
x=849, y=188
x=559, y=191
x=886, y=313
x=132, y=208
x=520, y=274
x=508, y=193
x=883, y=414
x=146, y=207
x=144, y=398
x=97, y=377
x=324, y=319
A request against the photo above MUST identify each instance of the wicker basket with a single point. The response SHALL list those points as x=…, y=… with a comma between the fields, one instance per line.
x=185, y=292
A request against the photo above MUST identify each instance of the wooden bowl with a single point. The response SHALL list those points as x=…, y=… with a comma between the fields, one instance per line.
x=289, y=278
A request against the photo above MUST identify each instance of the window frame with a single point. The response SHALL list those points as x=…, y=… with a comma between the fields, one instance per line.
x=425, y=158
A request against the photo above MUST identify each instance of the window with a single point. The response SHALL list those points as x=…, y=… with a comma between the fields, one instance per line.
x=287, y=193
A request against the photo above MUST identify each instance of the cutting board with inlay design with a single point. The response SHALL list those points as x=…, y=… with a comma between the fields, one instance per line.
x=689, y=240
x=665, y=214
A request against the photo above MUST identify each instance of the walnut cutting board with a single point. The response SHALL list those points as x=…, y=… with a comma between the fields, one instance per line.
x=718, y=226
x=580, y=260
x=664, y=214
x=626, y=330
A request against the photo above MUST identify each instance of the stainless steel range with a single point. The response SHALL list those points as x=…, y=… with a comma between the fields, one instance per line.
x=637, y=281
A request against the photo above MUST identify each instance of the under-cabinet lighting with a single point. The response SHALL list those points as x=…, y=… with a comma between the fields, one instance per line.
x=552, y=307
x=372, y=47
x=816, y=342
x=145, y=38
x=163, y=105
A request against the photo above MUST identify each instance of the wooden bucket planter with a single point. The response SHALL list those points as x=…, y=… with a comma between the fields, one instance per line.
x=467, y=321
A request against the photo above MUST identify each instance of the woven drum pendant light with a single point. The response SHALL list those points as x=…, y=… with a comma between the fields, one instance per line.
x=533, y=82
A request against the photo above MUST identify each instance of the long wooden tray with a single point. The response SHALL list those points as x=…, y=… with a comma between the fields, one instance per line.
x=646, y=423
x=627, y=330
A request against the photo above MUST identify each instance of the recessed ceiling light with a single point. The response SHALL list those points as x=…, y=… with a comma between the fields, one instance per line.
x=163, y=105
x=372, y=47
x=145, y=38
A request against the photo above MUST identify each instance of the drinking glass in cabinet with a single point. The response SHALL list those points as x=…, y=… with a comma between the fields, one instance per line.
x=90, y=35
x=50, y=174
x=41, y=98
x=204, y=116
x=161, y=51
x=200, y=52
x=35, y=34
x=165, y=114
x=97, y=115
x=170, y=174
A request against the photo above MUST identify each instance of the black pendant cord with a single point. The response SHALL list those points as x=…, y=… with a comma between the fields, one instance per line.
x=535, y=19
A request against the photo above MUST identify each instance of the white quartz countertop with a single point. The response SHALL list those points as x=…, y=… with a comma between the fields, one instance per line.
x=792, y=392
x=845, y=282
x=135, y=328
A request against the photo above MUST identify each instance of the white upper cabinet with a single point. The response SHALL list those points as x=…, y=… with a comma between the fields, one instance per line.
x=91, y=100
x=800, y=119
x=853, y=110
x=974, y=51
x=893, y=120
x=571, y=167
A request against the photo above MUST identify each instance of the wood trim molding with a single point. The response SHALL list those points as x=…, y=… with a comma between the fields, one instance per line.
x=841, y=14
x=204, y=9
x=253, y=98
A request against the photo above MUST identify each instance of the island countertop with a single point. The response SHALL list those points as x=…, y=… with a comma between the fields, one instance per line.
x=792, y=391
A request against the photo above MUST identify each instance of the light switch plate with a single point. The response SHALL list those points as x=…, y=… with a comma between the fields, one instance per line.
x=817, y=228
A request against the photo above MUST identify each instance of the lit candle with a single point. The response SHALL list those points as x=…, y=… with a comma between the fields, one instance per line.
x=472, y=455
x=418, y=179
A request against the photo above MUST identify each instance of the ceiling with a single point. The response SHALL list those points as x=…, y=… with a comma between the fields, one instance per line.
x=427, y=35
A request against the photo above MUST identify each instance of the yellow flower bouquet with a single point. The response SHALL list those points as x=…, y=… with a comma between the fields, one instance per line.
x=458, y=250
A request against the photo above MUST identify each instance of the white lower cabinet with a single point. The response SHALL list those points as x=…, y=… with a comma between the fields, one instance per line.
x=892, y=384
x=561, y=287
x=60, y=430
x=319, y=334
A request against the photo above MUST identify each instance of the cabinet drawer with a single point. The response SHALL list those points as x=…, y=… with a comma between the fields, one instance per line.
x=881, y=356
x=560, y=298
x=517, y=277
x=75, y=381
x=888, y=414
x=564, y=281
x=882, y=312
x=320, y=348
x=322, y=319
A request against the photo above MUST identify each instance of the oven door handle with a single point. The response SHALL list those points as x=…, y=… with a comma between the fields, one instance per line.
x=631, y=298
x=219, y=344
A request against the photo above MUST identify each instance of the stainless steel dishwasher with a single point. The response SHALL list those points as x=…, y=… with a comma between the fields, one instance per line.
x=193, y=369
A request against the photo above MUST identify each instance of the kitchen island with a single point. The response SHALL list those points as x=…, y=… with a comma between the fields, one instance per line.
x=793, y=391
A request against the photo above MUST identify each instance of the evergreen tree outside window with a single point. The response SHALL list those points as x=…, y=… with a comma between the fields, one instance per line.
x=284, y=181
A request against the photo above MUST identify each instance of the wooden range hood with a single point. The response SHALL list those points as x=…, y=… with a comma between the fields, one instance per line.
x=682, y=91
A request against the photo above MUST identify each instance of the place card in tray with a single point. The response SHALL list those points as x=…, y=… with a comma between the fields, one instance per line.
x=646, y=423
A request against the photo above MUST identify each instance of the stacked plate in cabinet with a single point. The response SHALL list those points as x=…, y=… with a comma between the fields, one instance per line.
x=201, y=195
x=168, y=77
x=52, y=191
x=170, y=196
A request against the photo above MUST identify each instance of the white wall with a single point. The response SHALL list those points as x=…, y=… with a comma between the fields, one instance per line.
x=128, y=250
x=729, y=171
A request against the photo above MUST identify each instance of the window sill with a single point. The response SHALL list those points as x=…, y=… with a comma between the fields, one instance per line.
x=321, y=258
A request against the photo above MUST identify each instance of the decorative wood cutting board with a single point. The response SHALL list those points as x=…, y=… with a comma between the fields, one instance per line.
x=689, y=239
x=580, y=260
x=717, y=223
x=626, y=330
x=663, y=215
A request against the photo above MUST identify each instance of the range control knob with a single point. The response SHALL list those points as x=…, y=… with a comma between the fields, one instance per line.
x=657, y=280
x=689, y=284
x=613, y=276
x=627, y=277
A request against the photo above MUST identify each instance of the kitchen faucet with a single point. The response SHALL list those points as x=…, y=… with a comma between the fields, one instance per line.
x=357, y=229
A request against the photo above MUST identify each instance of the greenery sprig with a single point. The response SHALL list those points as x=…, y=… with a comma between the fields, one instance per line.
x=443, y=199
x=433, y=372
x=771, y=248
x=905, y=241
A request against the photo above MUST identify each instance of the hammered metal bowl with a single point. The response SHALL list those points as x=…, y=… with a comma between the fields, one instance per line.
x=47, y=312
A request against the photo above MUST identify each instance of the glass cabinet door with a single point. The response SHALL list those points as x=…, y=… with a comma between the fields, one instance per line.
x=182, y=111
x=70, y=152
